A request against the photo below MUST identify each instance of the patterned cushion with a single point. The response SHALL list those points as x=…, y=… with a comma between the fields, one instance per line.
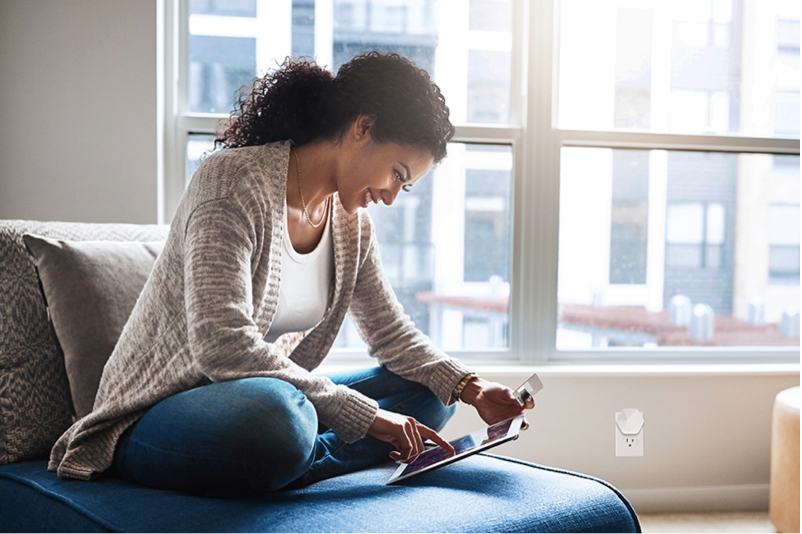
x=90, y=289
x=35, y=402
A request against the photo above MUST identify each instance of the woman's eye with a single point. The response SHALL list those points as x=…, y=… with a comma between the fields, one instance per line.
x=400, y=178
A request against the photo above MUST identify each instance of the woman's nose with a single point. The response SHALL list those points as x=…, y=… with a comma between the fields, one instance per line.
x=388, y=197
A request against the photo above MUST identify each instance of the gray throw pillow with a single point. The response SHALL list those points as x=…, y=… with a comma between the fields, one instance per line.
x=90, y=288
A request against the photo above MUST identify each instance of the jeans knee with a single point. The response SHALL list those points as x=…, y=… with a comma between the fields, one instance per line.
x=277, y=429
x=277, y=409
x=433, y=413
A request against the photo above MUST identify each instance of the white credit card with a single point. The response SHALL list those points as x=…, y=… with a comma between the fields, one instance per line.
x=528, y=389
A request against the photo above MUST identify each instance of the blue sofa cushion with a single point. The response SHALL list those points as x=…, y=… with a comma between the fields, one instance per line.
x=484, y=493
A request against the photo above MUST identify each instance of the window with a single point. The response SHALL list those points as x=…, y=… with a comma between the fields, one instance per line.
x=788, y=38
x=784, y=244
x=608, y=157
x=675, y=66
x=786, y=113
x=453, y=277
x=680, y=208
x=694, y=235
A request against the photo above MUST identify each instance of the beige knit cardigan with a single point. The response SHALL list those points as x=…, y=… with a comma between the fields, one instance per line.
x=212, y=296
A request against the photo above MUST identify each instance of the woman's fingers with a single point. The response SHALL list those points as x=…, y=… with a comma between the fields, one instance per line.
x=406, y=434
x=428, y=433
x=408, y=442
x=413, y=447
x=418, y=439
x=414, y=443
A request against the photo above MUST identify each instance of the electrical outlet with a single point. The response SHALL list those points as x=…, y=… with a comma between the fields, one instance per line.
x=629, y=432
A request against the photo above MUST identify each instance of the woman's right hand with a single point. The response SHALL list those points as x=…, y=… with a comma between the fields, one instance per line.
x=406, y=434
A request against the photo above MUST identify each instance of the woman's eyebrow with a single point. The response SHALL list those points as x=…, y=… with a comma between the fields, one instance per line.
x=409, y=176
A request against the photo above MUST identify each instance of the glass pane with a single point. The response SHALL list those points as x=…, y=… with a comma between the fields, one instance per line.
x=690, y=66
x=684, y=223
x=464, y=45
x=218, y=67
x=197, y=146
x=231, y=8
x=445, y=247
x=718, y=229
x=784, y=261
x=678, y=256
x=713, y=256
x=715, y=223
x=784, y=224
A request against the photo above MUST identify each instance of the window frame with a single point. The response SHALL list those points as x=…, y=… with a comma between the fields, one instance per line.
x=536, y=143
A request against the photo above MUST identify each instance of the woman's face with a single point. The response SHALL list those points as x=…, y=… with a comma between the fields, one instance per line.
x=373, y=172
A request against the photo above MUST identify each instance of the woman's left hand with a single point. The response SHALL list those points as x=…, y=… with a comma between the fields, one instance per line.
x=493, y=401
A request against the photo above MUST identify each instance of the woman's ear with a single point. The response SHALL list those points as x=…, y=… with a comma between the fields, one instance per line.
x=363, y=125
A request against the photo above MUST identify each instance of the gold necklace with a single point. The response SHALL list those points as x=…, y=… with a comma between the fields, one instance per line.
x=303, y=201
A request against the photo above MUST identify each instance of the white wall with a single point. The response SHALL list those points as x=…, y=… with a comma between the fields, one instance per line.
x=707, y=432
x=78, y=109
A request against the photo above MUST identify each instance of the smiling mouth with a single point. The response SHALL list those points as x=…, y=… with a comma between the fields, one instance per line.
x=368, y=199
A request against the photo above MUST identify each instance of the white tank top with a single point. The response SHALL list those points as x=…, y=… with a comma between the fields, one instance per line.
x=305, y=283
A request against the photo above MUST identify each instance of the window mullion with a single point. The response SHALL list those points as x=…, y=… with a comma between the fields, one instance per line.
x=537, y=197
x=661, y=141
x=172, y=161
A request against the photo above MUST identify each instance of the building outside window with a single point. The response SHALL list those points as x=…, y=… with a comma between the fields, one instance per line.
x=586, y=187
x=452, y=277
x=784, y=244
x=683, y=222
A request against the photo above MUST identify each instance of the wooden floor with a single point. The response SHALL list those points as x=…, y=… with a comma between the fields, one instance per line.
x=707, y=522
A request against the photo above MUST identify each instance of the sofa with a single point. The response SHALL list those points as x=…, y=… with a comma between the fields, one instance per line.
x=64, y=292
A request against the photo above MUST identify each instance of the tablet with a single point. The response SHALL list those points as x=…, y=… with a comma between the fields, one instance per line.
x=463, y=447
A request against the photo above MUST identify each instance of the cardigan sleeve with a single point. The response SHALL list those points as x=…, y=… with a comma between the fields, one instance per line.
x=220, y=241
x=391, y=335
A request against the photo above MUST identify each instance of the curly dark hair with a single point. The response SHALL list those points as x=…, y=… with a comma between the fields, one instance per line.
x=301, y=101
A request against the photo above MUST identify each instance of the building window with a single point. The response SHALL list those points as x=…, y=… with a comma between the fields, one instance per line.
x=692, y=220
x=684, y=231
x=788, y=38
x=785, y=164
x=784, y=244
x=646, y=166
x=786, y=113
x=694, y=235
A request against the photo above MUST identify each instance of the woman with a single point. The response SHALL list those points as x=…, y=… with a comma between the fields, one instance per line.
x=210, y=384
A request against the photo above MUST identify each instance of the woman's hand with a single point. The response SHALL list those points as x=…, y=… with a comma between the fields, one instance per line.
x=406, y=435
x=494, y=402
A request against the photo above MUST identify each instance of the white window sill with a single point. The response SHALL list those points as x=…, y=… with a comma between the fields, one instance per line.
x=490, y=369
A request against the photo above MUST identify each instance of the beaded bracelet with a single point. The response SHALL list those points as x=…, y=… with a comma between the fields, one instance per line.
x=456, y=395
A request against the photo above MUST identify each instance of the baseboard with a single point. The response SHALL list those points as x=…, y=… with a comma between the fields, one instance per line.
x=700, y=498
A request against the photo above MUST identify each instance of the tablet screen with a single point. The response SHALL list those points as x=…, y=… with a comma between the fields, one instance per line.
x=463, y=447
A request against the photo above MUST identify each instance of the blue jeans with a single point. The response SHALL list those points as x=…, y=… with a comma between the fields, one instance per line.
x=260, y=433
